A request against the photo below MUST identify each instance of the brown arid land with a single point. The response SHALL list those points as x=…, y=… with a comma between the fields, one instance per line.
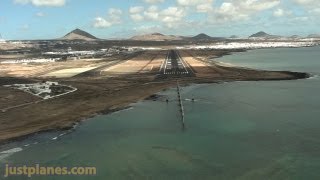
x=104, y=86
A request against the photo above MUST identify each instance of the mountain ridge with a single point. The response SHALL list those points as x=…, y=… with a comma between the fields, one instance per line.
x=79, y=34
x=155, y=37
x=263, y=35
x=202, y=36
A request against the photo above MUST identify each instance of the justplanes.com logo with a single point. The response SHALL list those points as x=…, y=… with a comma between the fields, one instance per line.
x=37, y=170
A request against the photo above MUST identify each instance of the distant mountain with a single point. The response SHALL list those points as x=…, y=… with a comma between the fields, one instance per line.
x=79, y=34
x=157, y=34
x=156, y=37
x=263, y=35
x=295, y=36
x=260, y=34
x=234, y=37
x=202, y=36
x=314, y=36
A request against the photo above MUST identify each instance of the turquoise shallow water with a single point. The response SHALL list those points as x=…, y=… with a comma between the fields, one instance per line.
x=239, y=130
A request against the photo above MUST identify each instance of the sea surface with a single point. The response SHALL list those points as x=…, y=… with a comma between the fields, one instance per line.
x=239, y=130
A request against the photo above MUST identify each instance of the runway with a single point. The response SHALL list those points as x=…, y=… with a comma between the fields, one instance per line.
x=174, y=65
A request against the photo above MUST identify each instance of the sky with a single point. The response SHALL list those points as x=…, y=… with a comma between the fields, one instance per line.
x=49, y=19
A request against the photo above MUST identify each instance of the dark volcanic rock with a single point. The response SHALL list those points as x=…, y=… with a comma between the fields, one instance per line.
x=202, y=36
x=79, y=34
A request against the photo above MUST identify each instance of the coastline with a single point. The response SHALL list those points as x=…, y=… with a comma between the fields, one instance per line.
x=74, y=122
x=72, y=127
x=105, y=96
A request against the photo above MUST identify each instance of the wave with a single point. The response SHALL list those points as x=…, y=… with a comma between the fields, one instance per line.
x=194, y=100
x=8, y=153
x=315, y=76
x=123, y=110
x=62, y=134
x=225, y=64
x=14, y=150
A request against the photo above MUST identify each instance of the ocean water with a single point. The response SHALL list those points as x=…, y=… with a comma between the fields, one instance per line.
x=239, y=130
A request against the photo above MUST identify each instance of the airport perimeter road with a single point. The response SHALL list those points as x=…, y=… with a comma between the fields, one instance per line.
x=174, y=65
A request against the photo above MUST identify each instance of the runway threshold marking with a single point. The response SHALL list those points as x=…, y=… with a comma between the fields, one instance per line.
x=175, y=65
x=164, y=61
x=185, y=62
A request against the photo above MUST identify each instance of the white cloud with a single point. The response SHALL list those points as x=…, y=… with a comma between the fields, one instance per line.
x=54, y=3
x=307, y=2
x=281, y=12
x=153, y=1
x=278, y=12
x=301, y=19
x=100, y=22
x=315, y=11
x=152, y=13
x=137, y=17
x=225, y=13
x=193, y=2
x=114, y=17
x=136, y=9
x=147, y=29
x=135, y=13
x=255, y=5
x=234, y=10
x=202, y=6
x=311, y=6
x=115, y=12
x=170, y=16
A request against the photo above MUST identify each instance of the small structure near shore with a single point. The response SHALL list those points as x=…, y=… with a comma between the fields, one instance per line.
x=44, y=90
